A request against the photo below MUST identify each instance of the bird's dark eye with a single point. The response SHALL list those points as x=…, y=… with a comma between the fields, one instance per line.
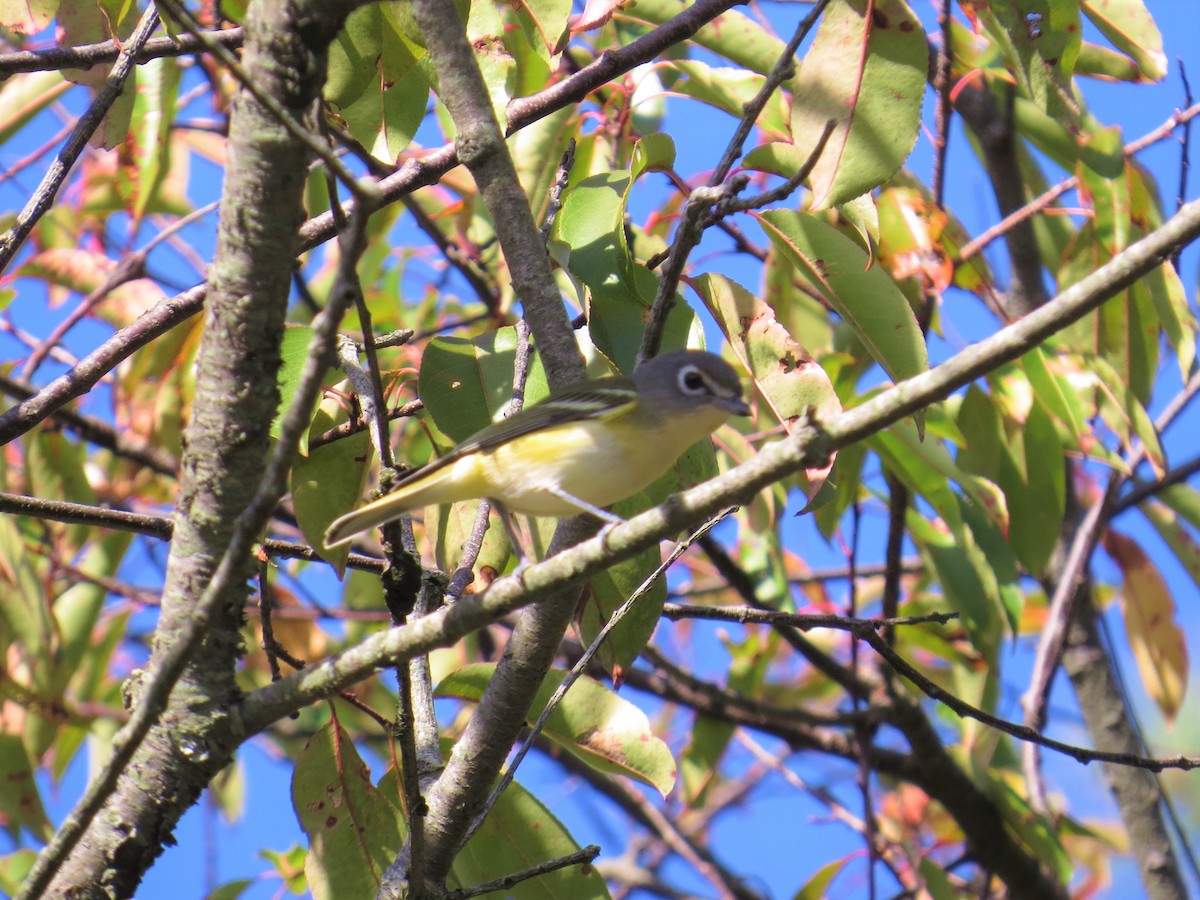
x=692, y=381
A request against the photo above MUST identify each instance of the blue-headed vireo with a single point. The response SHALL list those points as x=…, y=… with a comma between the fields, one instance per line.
x=578, y=450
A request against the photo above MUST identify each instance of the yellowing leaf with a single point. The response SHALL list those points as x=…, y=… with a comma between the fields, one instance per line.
x=790, y=379
x=1154, y=637
x=605, y=731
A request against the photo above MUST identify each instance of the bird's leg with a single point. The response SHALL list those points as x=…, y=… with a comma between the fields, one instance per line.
x=514, y=537
x=610, y=519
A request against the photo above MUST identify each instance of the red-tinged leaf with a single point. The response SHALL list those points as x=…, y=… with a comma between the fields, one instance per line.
x=87, y=23
x=1130, y=27
x=27, y=16
x=145, y=153
x=596, y=14
x=24, y=97
x=1156, y=640
x=910, y=229
x=865, y=71
x=1178, y=536
x=83, y=271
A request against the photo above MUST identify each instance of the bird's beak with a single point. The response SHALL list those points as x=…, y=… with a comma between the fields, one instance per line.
x=736, y=406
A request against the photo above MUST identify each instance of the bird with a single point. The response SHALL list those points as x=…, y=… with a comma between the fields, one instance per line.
x=581, y=449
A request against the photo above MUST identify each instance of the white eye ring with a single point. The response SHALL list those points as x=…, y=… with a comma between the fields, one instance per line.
x=692, y=381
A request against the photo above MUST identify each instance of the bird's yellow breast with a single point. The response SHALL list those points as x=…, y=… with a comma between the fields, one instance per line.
x=599, y=462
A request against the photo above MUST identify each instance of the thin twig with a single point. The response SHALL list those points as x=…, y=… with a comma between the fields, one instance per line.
x=941, y=143
x=363, y=189
x=87, y=56
x=1185, y=152
x=717, y=191
x=973, y=248
x=581, y=857
x=102, y=434
x=161, y=318
x=868, y=630
x=114, y=84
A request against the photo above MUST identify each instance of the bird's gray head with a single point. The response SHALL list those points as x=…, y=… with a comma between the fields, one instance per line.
x=695, y=377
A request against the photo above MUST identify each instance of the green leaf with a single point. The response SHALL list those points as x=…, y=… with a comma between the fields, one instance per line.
x=384, y=119
x=936, y=880
x=486, y=28
x=729, y=90
x=14, y=868
x=1184, y=500
x=606, y=732
x=1174, y=313
x=351, y=68
x=1033, y=478
x=1130, y=27
x=926, y=466
x=24, y=615
x=1057, y=397
x=608, y=590
x=1040, y=40
x=733, y=35
x=353, y=831
x=967, y=581
x=293, y=353
x=289, y=865
x=866, y=72
x=145, y=157
x=20, y=801
x=327, y=482
x=519, y=832
x=231, y=890
x=449, y=525
x=466, y=384
x=865, y=296
x=548, y=20
x=591, y=225
x=1122, y=411
x=1101, y=62
x=817, y=887
x=790, y=379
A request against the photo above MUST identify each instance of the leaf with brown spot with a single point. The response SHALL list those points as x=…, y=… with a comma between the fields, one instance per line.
x=788, y=377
